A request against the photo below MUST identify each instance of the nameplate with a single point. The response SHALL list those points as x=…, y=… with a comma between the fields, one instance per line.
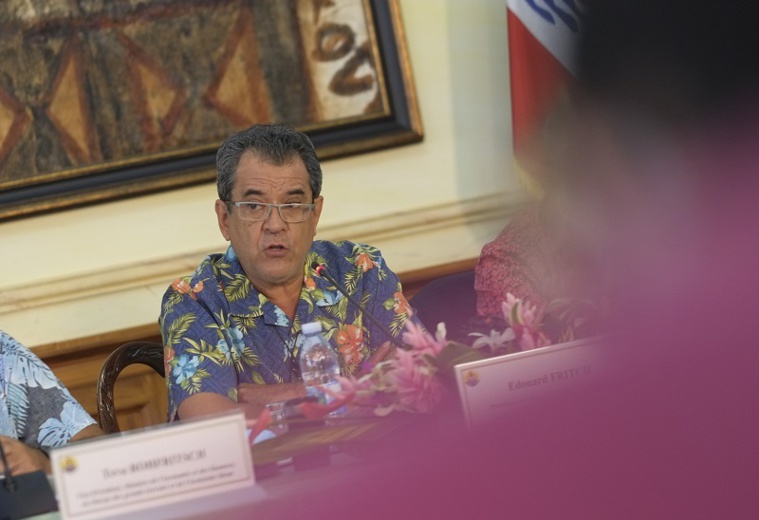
x=489, y=387
x=146, y=469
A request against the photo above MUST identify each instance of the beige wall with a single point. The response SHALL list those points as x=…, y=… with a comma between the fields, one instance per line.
x=102, y=268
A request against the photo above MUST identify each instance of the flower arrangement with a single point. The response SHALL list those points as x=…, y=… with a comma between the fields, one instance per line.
x=413, y=380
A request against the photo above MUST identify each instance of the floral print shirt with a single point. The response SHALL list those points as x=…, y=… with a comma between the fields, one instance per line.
x=35, y=407
x=219, y=331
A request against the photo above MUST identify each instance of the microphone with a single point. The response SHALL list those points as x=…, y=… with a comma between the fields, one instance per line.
x=321, y=270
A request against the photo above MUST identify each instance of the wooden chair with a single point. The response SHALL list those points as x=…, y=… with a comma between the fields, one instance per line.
x=144, y=352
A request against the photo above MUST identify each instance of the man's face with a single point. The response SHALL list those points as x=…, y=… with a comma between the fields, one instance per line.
x=272, y=252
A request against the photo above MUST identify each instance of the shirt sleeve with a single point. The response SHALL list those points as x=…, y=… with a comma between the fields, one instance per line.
x=199, y=348
x=44, y=412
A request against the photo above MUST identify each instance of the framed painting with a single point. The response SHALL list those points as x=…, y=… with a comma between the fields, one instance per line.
x=102, y=100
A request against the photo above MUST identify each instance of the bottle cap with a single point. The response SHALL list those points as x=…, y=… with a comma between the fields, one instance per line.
x=314, y=327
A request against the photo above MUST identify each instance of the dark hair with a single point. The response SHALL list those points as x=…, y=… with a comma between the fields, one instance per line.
x=273, y=143
x=680, y=61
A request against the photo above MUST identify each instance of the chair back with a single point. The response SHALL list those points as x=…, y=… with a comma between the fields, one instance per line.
x=144, y=352
x=450, y=299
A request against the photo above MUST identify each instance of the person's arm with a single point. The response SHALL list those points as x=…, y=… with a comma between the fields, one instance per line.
x=251, y=398
x=205, y=403
x=22, y=458
x=254, y=397
x=25, y=459
x=93, y=430
x=45, y=413
x=200, y=373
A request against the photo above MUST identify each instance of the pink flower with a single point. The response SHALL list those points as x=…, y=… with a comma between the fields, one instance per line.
x=420, y=340
x=525, y=321
x=417, y=387
x=531, y=340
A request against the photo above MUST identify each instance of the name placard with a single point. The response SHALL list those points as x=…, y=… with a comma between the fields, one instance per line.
x=142, y=470
x=490, y=386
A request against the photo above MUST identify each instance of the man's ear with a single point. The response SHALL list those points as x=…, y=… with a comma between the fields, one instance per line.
x=318, y=203
x=223, y=216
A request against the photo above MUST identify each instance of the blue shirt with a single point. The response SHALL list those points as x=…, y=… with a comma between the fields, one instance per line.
x=35, y=407
x=219, y=331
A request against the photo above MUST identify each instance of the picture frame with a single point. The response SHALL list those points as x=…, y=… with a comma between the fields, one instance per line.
x=134, y=98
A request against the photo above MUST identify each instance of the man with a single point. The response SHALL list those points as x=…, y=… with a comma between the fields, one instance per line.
x=231, y=331
x=36, y=410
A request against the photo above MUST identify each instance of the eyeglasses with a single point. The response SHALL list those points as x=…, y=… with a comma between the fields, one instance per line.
x=261, y=210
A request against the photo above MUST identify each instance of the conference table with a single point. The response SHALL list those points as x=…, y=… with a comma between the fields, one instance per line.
x=297, y=468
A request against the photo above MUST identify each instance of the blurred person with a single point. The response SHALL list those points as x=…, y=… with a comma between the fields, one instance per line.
x=658, y=189
x=231, y=330
x=535, y=258
x=528, y=259
x=37, y=412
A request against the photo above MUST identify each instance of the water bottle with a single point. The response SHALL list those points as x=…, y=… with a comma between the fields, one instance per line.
x=319, y=366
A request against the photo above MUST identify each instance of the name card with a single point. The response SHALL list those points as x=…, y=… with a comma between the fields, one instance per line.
x=147, y=469
x=490, y=386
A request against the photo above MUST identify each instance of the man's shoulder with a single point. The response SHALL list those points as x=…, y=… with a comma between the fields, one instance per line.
x=213, y=267
x=352, y=262
x=343, y=249
x=217, y=281
x=11, y=348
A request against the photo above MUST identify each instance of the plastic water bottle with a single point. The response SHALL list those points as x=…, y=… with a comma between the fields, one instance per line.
x=319, y=366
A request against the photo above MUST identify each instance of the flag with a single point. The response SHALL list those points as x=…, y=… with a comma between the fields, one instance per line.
x=542, y=36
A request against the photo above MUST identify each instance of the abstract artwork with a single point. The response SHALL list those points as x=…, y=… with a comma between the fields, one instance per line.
x=103, y=99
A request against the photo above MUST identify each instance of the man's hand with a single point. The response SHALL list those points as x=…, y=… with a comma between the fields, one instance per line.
x=22, y=458
x=251, y=398
x=254, y=398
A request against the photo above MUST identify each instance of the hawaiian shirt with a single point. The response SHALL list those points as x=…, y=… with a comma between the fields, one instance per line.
x=219, y=331
x=35, y=407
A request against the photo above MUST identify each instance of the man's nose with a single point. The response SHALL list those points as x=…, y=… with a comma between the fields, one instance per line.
x=273, y=221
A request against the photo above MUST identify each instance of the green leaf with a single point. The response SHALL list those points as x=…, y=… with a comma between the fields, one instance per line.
x=173, y=299
x=351, y=280
x=396, y=326
x=194, y=383
x=205, y=350
x=179, y=327
x=248, y=358
x=238, y=288
x=244, y=322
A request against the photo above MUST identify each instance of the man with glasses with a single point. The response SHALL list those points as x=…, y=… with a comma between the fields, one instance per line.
x=231, y=331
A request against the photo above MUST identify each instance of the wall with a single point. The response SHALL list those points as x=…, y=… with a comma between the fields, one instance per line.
x=103, y=268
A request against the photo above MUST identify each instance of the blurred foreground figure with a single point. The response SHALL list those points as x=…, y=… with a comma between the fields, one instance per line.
x=662, y=182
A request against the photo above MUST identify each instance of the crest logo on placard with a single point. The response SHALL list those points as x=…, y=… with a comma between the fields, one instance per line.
x=68, y=464
x=471, y=378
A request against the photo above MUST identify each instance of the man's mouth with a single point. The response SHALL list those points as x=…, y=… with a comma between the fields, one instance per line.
x=275, y=248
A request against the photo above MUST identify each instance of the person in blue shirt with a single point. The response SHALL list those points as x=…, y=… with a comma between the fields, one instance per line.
x=231, y=331
x=36, y=411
